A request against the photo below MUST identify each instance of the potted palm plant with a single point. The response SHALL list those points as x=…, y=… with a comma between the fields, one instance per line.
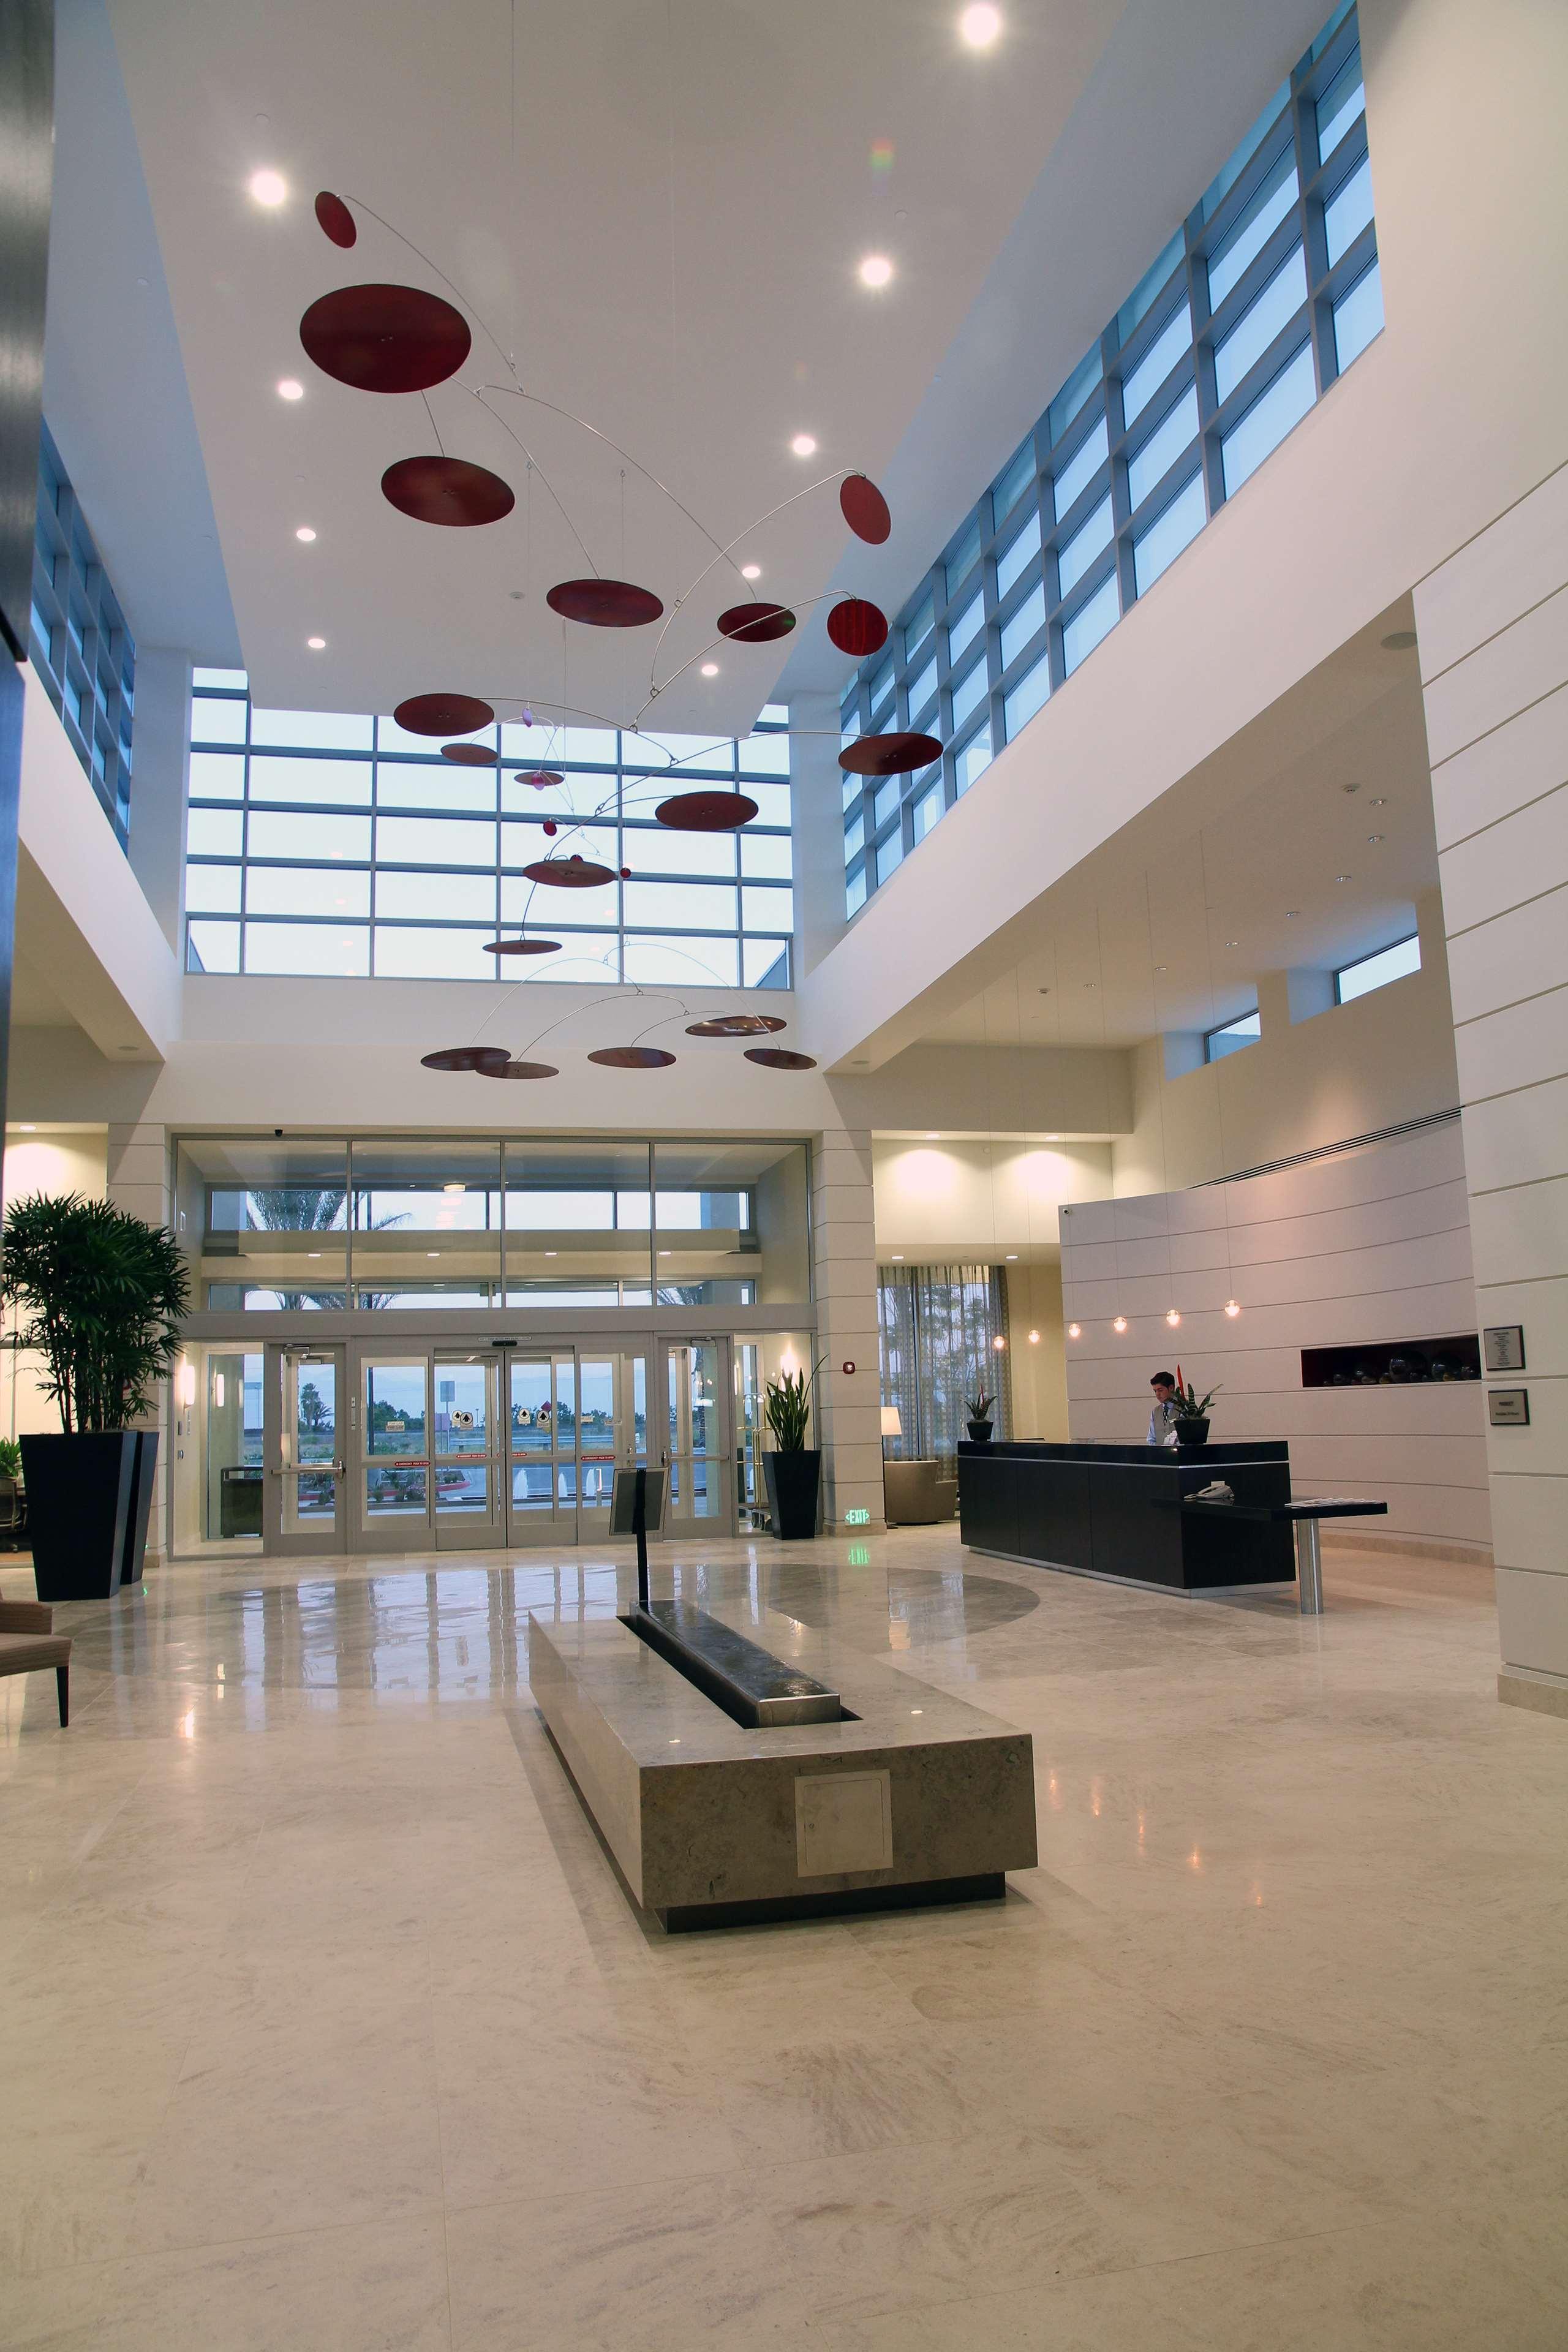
x=978, y=1408
x=792, y=1468
x=101, y=1295
x=1190, y=1412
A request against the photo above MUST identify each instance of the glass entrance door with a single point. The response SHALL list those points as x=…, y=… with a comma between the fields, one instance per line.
x=466, y=1452
x=702, y=1469
x=576, y=1414
x=305, y=1446
x=392, y=1476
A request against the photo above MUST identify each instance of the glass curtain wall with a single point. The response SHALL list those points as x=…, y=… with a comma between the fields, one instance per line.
x=485, y=1221
x=1266, y=294
x=938, y=1327
x=333, y=843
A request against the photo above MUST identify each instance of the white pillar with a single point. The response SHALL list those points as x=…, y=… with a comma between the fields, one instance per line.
x=1492, y=624
x=816, y=802
x=160, y=782
x=138, y=1184
x=843, y=1260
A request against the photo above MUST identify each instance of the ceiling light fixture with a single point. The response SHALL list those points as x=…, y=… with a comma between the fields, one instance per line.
x=751, y=571
x=1075, y=1330
x=1233, y=1307
x=290, y=388
x=317, y=645
x=710, y=670
x=1233, y=943
x=1373, y=839
x=1034, y=1338
x=1381, y=801
x=1291, y=913
x=876, y=271
x=305, y=534
x=1343, y=878
x=999, y=1343
x=1172, y=1316
x=979, y=26
x=804, y=444
x=1399, y=641
x=1118, y=1322
x=1012, y=1257
x=268, y=188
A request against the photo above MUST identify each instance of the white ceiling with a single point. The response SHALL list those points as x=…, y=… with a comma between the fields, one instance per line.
x=659, y=205
x=1264, y=826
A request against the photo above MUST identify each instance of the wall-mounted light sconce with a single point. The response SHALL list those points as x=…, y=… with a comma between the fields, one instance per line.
x=185, y=1382
x=1172, y=1316
x=1233, y=1307
x=218, y=1389
x=1119, y=1323
x=1075, y=1330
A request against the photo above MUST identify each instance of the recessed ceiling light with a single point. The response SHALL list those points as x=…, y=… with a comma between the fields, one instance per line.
x=1045, y=991
x=268, y=188
x=751, y=571
x=1091, y=983
x=26, y=1127
x=290, y=389
x=898, y=1257
x=305, y=533
x=1291, y=913
x=1343, y=878
x=979, y=26
x=1012, y=1257
x=804, y=444
x=1233, y=943
x=1381, y=801
x=317, y=645
x=1161, y=967
x=432, y=1253
x=1374, y=838
x=710, y=670
x=1399, y=641
x=1349, y=788
x=876, y=271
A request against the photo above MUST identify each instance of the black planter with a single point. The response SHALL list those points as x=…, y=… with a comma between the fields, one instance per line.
x=143, y=1476
x=80, y=1511
x=1191, y=1435
x=794, y=1492
x=980, y=1432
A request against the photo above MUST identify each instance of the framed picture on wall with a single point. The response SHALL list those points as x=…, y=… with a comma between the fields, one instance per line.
x=1504, y=1346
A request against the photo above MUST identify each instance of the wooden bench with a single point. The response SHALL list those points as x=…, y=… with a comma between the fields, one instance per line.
x=28, y=1644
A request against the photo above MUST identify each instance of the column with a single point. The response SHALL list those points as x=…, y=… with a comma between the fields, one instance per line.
x=138, y=1184
x=1492, y=624
x=816, y=801
x=844, y=1264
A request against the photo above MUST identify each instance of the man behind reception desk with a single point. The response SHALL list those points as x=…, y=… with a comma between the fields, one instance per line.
x=1162, y=1420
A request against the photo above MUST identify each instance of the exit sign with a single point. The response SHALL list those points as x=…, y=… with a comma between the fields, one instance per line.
x=856, y=1518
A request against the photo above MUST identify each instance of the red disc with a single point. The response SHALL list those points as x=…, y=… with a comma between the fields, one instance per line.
x=549, y=827
x=385, y=338
x=569, y=873
x=631, y=1057
x=858, y=627
x=540, y=778
x=737, y=1024
x=756, y=623
x=523, y=1070
x=466, y=1057
x=889, y=755
x=604, y=604
x=864, y=509
x=447, y=490
x=521, y=947
x=336, y=220
x=443, y=714
x=778, y=1057
x=706, y=812
x=470, y=755
x=626, y=873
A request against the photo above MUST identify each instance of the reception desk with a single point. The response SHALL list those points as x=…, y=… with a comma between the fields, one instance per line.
x=1123, y=1512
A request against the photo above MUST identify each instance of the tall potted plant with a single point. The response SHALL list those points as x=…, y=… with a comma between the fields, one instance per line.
x=102, y=1295
x=792, y=1468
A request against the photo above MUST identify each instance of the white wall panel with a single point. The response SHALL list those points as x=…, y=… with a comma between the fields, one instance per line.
x=1515, y=764
x=1493, y=626
x=1369, y=1246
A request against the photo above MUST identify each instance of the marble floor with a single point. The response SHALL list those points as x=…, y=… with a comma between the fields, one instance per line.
x=326, y=2024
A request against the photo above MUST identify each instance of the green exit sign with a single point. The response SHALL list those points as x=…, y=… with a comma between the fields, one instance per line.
x=856, y=1518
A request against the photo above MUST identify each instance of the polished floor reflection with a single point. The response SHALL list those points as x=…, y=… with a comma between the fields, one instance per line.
x=328, y=2024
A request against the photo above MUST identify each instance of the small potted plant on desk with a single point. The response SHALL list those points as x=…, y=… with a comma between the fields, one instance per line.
x=1192, y=1412
x=102, y=1295
x=792, y=1469
x=979, y=1411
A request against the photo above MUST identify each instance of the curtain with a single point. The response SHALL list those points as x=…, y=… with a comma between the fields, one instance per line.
x=938, y=1326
